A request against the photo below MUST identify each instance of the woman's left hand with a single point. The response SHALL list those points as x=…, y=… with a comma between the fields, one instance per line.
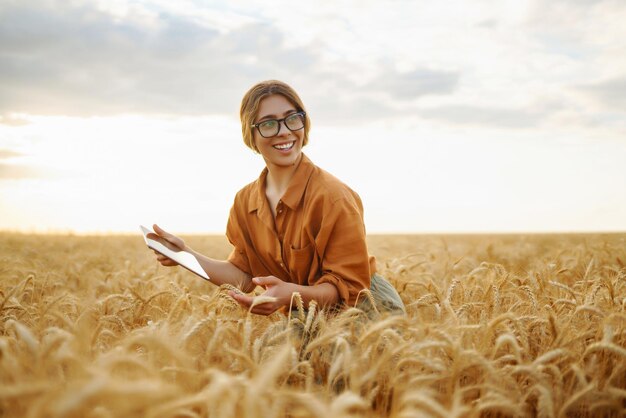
x=275, y=288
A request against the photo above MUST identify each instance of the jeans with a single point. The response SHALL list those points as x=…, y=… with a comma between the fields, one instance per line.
x=385, y=296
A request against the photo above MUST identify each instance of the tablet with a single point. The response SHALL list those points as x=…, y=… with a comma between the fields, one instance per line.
x=162, y=246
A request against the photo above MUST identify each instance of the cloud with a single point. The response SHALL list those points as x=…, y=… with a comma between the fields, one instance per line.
x=77, y=60
x=348, y=110
x=611, y=94
x=416, y=83
x=338, y=99
x=487, y=24
x=491, y=116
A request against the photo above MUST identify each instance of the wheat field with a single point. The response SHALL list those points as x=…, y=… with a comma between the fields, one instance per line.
x=504, y=325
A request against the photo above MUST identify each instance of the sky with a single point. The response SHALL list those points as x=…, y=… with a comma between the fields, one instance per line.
x=457, y=116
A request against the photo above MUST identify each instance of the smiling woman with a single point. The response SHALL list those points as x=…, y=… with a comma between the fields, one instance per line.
x=296, y=228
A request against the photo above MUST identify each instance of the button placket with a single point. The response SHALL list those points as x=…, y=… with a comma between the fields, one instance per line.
x=280, y=233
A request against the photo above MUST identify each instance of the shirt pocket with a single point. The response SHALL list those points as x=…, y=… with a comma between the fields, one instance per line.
x=299, y=261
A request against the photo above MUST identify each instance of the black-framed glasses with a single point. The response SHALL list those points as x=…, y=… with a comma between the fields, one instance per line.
x=271, y=127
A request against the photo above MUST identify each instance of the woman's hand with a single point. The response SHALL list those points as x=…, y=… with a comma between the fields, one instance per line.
x=275, y=288
x=171, y=241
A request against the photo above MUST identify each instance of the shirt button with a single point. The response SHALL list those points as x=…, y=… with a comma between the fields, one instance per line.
x=280, y=211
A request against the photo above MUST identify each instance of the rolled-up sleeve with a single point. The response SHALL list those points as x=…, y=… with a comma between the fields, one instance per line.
x=343, y=249
x=236, y=236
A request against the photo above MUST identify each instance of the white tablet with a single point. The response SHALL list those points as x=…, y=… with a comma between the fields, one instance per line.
x=184, y=258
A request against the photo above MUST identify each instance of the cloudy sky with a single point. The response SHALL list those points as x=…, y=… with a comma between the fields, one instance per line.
x=458, y=116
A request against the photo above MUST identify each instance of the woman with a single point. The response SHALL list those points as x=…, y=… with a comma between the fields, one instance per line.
x=296, y=228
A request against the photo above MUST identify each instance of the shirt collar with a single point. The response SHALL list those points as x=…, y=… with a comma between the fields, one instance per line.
x=257, y=196
x=295, y=191
x=298, y=183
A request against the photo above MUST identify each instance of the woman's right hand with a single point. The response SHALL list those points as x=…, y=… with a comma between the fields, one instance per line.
x=171, y=239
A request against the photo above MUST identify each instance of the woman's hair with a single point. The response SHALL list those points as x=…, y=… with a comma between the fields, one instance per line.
x=250, y=107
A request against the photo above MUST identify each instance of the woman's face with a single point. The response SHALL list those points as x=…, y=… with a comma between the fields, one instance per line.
x=284, y=148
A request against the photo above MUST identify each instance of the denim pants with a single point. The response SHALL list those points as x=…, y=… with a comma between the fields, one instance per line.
x=385, y=295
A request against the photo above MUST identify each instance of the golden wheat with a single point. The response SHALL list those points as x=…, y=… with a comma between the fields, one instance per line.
x=513, y=326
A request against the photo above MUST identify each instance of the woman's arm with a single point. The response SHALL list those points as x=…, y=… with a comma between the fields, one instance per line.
x=220, y=271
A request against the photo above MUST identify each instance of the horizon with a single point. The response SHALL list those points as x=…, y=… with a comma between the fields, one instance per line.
x=68, y=233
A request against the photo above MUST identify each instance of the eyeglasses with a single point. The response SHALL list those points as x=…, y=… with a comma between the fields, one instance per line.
x=271, y=127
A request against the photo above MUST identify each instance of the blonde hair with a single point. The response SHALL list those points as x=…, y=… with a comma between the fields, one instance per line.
x=249, y=109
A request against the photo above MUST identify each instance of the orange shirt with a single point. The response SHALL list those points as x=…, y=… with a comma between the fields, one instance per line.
x=318, y=235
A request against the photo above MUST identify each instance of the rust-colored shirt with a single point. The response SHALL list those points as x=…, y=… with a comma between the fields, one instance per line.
x=318, y=235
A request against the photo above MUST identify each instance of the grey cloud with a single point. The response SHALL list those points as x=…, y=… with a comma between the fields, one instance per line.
x=487, y=24
x=75, y=60
x=609, y=93
x=416, y=83
x=566, y=26
x=338, y=100
x=78, y=61
x=335, y=111
x=475, y=115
